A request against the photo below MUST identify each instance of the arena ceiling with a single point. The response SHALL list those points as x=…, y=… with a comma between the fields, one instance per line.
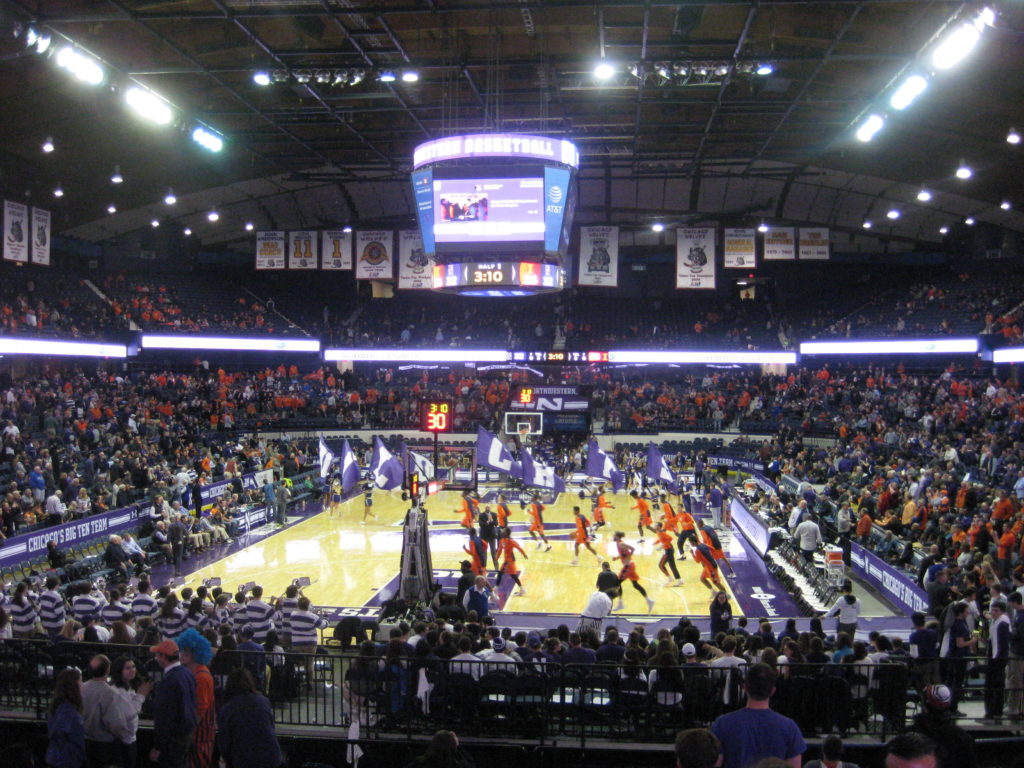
x=685, y=130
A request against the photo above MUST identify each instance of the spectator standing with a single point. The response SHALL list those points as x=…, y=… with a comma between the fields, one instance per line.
x=924, y=648
x=959, y=642
x=22, y=610
x=65, y=729
x=1015, y=664
x=721, y=614
x=52, y=612
x=131, y=694
x=259, y=615
x=174, y=709
x=105, y=722
x=847, y=608
x=176, y=533
x=755, y=732
x=998, y=654
x=196, y=654
x=934, y=722
x=808, y=534
x=478, y=598
x=245, y=732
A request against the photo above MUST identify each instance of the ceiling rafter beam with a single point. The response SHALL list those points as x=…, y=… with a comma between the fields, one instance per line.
x=642, y=75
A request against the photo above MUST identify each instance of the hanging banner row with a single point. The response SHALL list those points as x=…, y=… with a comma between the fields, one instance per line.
x=696, y=249
x=26, y=237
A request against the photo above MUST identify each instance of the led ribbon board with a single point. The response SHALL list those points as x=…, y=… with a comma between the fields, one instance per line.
x=417, y=355
x=507, y=145
x=268, y=344
x=890, y=347
x=66, y=348
x=1008, y=355
x=701, y=357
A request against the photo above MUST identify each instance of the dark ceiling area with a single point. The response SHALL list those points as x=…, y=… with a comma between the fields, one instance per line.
x=684, y=129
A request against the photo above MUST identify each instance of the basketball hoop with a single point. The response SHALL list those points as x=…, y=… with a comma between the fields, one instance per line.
x=523, y=430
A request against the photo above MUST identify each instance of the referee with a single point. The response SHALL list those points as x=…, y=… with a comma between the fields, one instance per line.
x=599, y=607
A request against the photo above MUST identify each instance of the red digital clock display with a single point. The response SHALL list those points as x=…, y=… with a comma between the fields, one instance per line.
x=436, y=416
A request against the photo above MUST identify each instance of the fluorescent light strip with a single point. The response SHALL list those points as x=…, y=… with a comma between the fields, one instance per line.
x=885, y=347
x=699, y=356
x=418, y=355
x=268, y=344
x=72, y=348
x=1008, y=355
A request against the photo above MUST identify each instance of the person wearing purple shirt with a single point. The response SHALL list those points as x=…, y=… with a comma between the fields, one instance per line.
x=611, y=649
x=577, y=654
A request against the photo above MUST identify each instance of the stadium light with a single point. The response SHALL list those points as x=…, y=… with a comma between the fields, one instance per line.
x=410, y=76
x=213, y=216
x=909, y=90
x=58, y=191
x=84, y=68
x=249, y=226
x=261, y=78
x=943, y=230
x=762, y=227
x=148, y=105
x=658, y=226
x=964, y=171
x=207, y=139
x=969, y=221
x=955, y=47
x=603, y=70
x=924, y=196
x=346, y=229
x=893, y=214
x=154, y=223
x=111, y=209
x=169, y=198
x=764, y=69
x=387, y=76
x=117, y=178
x=888, y=347
x=1005, y=205
x=1013, y=137
x=48, y=145
x=188, y=232
x=872, y=125
x=867, y=224
x=38, y=40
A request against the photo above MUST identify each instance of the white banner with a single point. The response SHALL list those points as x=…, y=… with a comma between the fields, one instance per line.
x=41, y=236
x=780, y=244
x=337, y=249
x=270, y=250
x=740, y=249
x=599, y=256
x=414, y=267
x=814, y=244
x=16, y=231
x=302, y=250
x=373, y=255
x=695, y=257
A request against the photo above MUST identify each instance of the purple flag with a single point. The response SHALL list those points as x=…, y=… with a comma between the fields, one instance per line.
x=600, y=464
x=385, y=469
x=491, y=453
x=658, y=470
x=541, y=475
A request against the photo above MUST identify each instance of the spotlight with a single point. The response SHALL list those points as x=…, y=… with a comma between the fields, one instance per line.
x=662, y=70
x=302, y=76
x=764, y=69
x=188, y=232
x=1005, y=205
x=58, y=192
x=892, y=214
x=866, y=225
x=943, y=230
x=207, y=139
x=964, y=171
x=410, y=76
x=1013, y=137
x=604, y=70
x=117, y=178
x=261, y=78
x=872, y=125
x=356, y=76
x=956, y=46
x=722, y=71
x=249, y=227
x=111, y=209
x=969, y=221
x=213, y=216
x=658, y=227
x=909, y=90
x=148, y=105
x=387, y=76
x=322, y=76
x=43, y=44
x=154, y=223
x=279, y=76
x=924, y=196
x=84, y=68
x=340, y=77
x=169, y=198
x=48, y=145
x=987, y=18
x=762, y=227
x=637, y=70
x=346, y=229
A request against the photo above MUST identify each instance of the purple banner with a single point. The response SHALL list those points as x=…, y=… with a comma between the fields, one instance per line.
x=896, y=587
x=28, y=546
x=750, y=525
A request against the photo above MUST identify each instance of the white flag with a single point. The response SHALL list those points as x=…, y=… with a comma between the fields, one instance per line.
x=16, y=231
x=414, y=267
x=373, y=255
x=599, y=256
x=695, y=257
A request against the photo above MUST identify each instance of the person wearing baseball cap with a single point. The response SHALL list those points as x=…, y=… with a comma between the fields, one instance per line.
x=956, y=747
x=174, y=709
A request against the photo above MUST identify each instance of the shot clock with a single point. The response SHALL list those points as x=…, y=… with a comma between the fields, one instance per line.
x=436, y=416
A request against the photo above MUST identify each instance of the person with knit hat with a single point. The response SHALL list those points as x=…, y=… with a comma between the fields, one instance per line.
x=196, y=654
x=956, y=747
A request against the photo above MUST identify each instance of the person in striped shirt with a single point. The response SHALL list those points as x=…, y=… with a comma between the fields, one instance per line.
x=86, y=602
x=51, y=607
x=145, y=605
x=239, y=618
x=304, y=626
x=22, y=609
x=172, y=620
x=115, y=608
x=285, y=606
x=259, y=615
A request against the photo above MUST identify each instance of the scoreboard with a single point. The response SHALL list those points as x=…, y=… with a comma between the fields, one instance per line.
x=436, y=416
x=557, y=357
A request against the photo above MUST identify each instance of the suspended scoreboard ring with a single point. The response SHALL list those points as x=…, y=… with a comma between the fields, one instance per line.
x=495, y=212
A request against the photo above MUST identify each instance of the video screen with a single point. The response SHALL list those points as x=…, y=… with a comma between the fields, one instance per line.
x=489, y=210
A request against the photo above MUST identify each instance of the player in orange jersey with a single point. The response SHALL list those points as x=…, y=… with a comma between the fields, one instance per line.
x=536, y=513
x=600, y=504
x=709, y=569
x=643, y=510
x=668, y=556
x=687, y=532
x=477, y=549
x=467, y=510
x=503, y=512
x=507, y=547
x=628, y=572
x=581, y=536
x=710, y=538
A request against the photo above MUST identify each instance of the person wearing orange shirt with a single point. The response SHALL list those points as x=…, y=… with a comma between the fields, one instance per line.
x=600, y=503
x=709, y=569
x=687, y=532
x=668, y=557
x=628, y=572
x=1004, y=551
x=581, y=536
x=466, y=510
x=507, y=547
x=864, y=527
x=1003, y=509
x=710, y=539
x=643, y=510
x=477, y=549
x=536, y=513
x=502, y=511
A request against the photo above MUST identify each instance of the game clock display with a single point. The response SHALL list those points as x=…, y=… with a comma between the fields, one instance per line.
x=517, y=278
x=436, y=416
x=556, y=357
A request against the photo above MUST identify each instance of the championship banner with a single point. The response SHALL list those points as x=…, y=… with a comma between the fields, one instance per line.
x=41, y=236
x=270, y=250
x=814, y=244
x=373, y=255
x=302, y=250
x=414, y=268
x=599, y=256
x=16, y=232
x=695, y=257
x=780, y=244
x=740, y=249
x=337, y=249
